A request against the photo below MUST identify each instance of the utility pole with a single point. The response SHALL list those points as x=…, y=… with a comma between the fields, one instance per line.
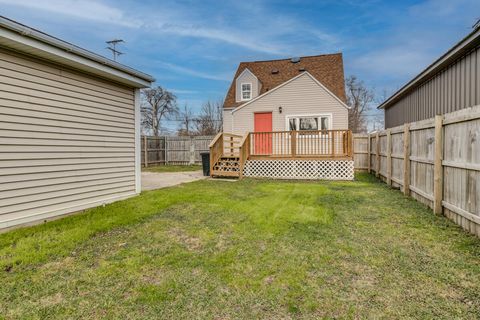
x=112, y=46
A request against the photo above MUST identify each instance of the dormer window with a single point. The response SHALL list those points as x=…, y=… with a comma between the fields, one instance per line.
x=246, y=91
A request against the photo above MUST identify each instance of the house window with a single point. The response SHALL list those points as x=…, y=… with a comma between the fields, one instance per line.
x=309, y=123
x=246, y=91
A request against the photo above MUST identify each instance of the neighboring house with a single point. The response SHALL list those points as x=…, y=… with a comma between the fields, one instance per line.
x=69, y=127
x=285, y=119
x=450, y=83
x=306, y=93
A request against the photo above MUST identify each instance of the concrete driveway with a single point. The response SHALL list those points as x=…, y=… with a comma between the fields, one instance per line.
x=153, y=180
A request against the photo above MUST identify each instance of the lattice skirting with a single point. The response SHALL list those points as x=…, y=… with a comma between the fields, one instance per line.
x=300, y=169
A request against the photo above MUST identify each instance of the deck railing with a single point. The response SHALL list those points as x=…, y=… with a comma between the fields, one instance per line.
x=325, y=144
x=301, y=144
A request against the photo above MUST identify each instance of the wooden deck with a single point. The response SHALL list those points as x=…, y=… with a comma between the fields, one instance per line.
x=229, y=152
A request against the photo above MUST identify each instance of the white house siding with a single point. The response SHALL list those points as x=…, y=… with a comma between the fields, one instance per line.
x=67, y=140
x=246, y=77
x=300, y=96
x=227, y=120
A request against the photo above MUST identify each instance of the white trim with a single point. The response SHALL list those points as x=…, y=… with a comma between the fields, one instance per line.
x=241, y=91
x=311, y=115
x=287, y=82
x=251, y=85
x=69, y=58
x=138, y=147
x=245, y=70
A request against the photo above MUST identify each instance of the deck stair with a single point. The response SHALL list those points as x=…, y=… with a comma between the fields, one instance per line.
x=225, y=160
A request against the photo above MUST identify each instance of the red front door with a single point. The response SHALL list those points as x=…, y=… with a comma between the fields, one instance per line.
x=263, y=141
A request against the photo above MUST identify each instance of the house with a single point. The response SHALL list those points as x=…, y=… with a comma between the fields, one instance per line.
x=450, y=83
x=286, y=119
x=306, y=93
x=69, y=127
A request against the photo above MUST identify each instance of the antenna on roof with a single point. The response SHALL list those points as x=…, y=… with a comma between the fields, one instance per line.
x=476, y=25
x=112, y=46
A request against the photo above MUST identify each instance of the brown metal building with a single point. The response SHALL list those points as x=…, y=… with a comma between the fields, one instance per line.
x=450, y=83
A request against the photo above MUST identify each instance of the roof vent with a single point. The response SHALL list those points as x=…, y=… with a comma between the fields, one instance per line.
x=274, y=71
x=295, y=60
x=301, y=69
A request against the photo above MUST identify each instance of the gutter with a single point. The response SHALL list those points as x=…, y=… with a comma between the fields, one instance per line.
x=71, y=48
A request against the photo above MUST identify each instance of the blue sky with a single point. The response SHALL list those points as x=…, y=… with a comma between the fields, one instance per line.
x=194, y=47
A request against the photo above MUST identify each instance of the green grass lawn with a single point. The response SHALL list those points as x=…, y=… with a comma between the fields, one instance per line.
x=172, y=168
x=245, y=250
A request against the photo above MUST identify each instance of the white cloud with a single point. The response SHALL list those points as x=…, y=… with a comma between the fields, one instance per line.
x=87, y=9
x=191, y=72
x=400, y=62
x=256, y=31
x=232, y=37
x=182, y=91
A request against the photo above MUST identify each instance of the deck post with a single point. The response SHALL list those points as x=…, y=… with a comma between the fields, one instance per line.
x=333, y=143
x=389, y=157
x=406, y=159
x=293, y=140
x=438, y=168
x=145, y=146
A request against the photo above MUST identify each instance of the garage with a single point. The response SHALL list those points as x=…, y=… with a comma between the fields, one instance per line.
x=69, y=127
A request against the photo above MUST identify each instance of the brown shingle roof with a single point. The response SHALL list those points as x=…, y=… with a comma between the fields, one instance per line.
x=327, y=68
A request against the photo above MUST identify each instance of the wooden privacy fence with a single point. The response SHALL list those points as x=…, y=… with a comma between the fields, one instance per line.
x=436, y=161
x=173, y=149
x=360, y=151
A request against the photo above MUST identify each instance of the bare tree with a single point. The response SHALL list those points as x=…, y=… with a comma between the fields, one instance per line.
x=187, y=119
x=157, y=104
x=210, y=120
x=359, y=99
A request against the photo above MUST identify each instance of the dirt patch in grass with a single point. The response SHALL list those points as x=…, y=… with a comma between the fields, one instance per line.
x=190, y=242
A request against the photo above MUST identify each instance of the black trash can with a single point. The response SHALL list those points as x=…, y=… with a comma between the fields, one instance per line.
x=205, y=163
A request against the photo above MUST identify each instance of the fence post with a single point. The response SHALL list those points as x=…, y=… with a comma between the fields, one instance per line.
x=406, y=159
x=377, y=155
x=438, y=169
x=165, y=140
x=389, y=157
x=145, y=148
x=368, y=154
x=192, y=151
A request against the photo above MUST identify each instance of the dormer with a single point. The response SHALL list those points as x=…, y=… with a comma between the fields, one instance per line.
x=247, y=86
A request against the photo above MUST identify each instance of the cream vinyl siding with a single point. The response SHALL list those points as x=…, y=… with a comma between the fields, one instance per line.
x=302, y=96
x=227, y=120
x=246, y=77
x=67, y=140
